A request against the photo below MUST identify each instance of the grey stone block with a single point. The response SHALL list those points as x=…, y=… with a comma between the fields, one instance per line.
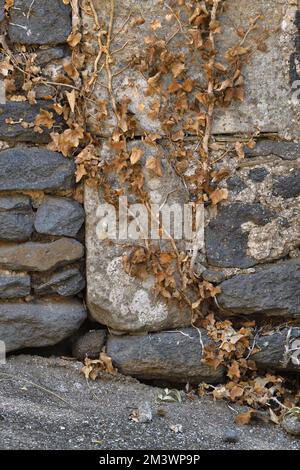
x=23, y=112
x=35, y=256
x=66, y=283
x=35, y=168
x=274, y=290
x=16, y=218
x=39, y=22
x=59, y=216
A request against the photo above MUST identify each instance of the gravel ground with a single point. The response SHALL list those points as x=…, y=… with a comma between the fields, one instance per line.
x=96, y=415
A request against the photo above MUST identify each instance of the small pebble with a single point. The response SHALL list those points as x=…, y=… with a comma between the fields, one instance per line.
x=231, y=436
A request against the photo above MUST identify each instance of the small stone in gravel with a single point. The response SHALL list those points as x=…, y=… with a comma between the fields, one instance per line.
x=231, y=436
x=291, y=423
x=143, y=414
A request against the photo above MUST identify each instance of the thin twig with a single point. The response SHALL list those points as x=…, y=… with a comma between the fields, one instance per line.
x=50, y=392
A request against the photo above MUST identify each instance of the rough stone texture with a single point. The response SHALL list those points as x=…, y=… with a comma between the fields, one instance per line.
x=265, y=181
x=89, y=345
x=273, y=290
x=39, y=323
x=280, y=350
x=258, y=174
x=59, y=216
x=14, y=285
x=66, y=283
x=170, y=356
x=33, y=168
x=39, y=22
x=226, y=242
x=23, y=112
x=51, y=54
x=16, y=218
x=291, y=423
x=287, y=186
x=114, y=298
x=34, y=256
x=284, y=150
x=264, y=105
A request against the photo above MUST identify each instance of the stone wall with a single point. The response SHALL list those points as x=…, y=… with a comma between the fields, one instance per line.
x=41, y=224
x=250, y=244
x=251, y=241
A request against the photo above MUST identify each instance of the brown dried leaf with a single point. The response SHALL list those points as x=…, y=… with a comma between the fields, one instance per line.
x=153, y=164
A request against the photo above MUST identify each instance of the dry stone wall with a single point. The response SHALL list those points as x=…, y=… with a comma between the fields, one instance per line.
x=251, y=241
x=41, y=225
x=249, y=247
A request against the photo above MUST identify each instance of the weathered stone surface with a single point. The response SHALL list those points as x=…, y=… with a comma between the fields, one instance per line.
x=279, y=350
x=33, y=168
x=14, y=285
x=226, y=241
x=258, y=174
x=39, y=22
x=44, y=56
x=171, y=356
x=282, y=149
x=39, y=323
x=89, y=345
x=236, y=184
x=66, y=283
x=34, y=256
x=279, y=236
x=287, y=186
x=273, y=290
x=59, y=216
x=116, y=299
x=23, y=112
x=44, y=92
x=16, y=218
x=264, y=105
x=291, y=422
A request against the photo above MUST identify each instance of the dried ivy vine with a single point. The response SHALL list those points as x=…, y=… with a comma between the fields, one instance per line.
x=184, y=107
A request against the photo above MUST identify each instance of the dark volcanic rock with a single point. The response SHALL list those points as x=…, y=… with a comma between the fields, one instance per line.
x=33, y=168
x=44, y=56
x=284, y=150
x=34, y=256
x=226, y=243
x=287, y=186
x=39, y=22
x=170, y=356
x=235, y=184
x=89, y=345
x=258, y=174
x=39, y=323
x=273, y=290
x=14, y=285
x=16, y=218
x=280, y=350
x=24, y=112
x=66, y=283
x=59, y=216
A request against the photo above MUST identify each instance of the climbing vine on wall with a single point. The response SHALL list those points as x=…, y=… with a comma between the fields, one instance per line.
x=185, y=87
